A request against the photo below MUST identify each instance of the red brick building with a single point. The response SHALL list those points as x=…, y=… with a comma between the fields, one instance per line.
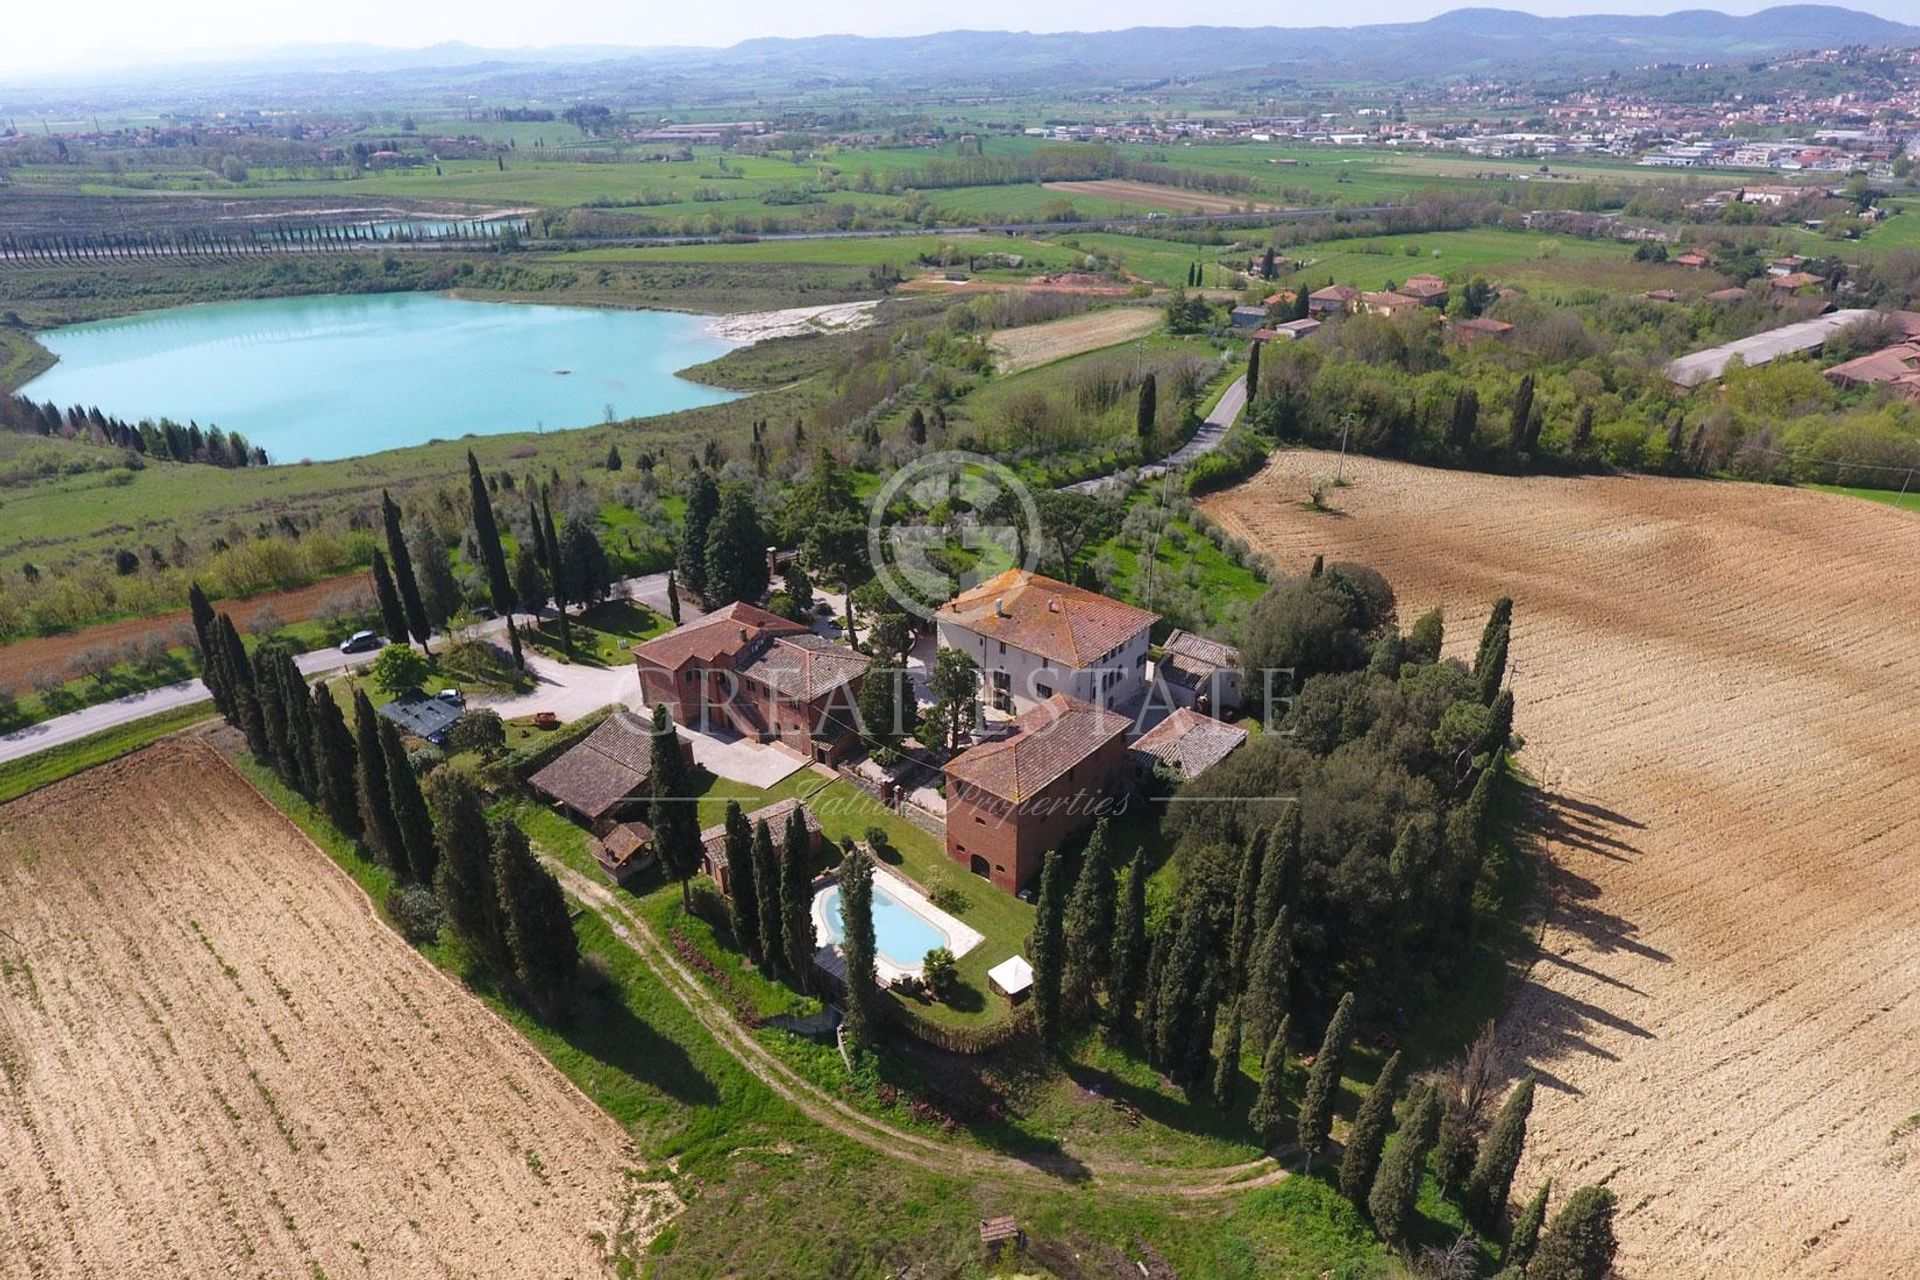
x=1012, y=800
x=744, y=670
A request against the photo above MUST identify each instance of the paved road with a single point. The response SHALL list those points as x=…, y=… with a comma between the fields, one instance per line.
x=555, y=677
x=1205, y=440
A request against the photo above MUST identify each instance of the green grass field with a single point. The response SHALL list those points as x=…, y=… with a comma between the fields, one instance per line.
x=30, y=773
x=1908, y=501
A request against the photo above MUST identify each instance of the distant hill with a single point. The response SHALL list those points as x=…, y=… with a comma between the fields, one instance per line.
x=1460, y=42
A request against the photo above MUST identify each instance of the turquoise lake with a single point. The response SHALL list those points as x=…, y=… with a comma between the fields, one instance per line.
x=332, y=377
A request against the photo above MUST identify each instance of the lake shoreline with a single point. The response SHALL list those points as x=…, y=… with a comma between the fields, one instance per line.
x=332, y=376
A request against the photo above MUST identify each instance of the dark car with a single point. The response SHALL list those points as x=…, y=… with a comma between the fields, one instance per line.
x=360, y=642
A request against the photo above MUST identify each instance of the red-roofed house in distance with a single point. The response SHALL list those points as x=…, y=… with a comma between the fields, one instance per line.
x=1035, y=636
x=1428, y=291
x=1011, y=800
x=744, y=670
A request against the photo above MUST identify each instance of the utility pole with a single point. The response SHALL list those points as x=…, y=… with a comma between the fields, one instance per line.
x=1346, y=423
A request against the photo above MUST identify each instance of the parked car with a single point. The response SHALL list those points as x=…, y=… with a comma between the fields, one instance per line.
x=360, y=642
x=453, y=697
x=485, y=613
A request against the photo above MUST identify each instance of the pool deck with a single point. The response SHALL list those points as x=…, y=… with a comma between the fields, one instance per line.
x=961, y=937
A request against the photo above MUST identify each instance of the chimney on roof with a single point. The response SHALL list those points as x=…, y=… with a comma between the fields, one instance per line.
x=743, y=633
x=1053, y=605
x=999, y=606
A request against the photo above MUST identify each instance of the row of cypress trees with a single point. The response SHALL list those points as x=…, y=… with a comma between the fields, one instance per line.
x=505, y=906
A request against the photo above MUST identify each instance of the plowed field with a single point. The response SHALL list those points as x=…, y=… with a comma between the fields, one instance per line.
x=217, y=1061
x=1719, y=686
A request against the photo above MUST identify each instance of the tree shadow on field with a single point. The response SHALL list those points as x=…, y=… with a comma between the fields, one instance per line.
x=1577, y=825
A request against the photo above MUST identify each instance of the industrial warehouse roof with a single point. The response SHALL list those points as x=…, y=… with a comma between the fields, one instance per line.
x=1787, y=340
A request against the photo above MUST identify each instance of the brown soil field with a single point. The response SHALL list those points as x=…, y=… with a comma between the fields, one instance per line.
x=21, y=660
x=1155, y=196
x=1719, y=687
x=218, y=1061
x=1032, y=345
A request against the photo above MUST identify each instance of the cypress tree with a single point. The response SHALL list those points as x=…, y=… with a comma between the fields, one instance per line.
x=1466, y=417
x=1526, y=1230
x=1498, y=620
x=1369, y=1134
x=1268, y=981
x=1246, y=903
x=273, y=709
x=1269, y=1113
x=703, y=501
x=392, y=615
x=1583, y=429
x=415, y=857
x=207, y=642
x=403, y=577
x=298, y=704
x=1580, y=1244
x=1150, y=990
x=1491, y=670
x=1492, y=1179
x=1147, y=410
x=673, y=597
x=1280, y=875
x=333, y=760
x=1183, y=993
x=1226, y=1068
x=1396, y=1188
x=742, y=897
x=1253, y=369
x=1127, y=970
x=1456, y=1149
x=546, y=955
x=238, y=672
x=486, y=536
x=1045, y=944
x=857, y=945
x=771, y=947
x=796, y=916
x=1087, y=929
x=376, y=806
x=463, y=880
x=1196, y=1051
x=559, y=573
x=439, y=594
x=676, y=831
x=1521, y=413
x=1499, y=723
x=736, y=551
x=1323, y=1083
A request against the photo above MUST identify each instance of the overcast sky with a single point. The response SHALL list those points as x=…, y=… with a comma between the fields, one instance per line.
x=40, y=35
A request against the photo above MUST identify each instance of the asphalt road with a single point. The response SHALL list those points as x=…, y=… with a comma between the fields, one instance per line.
x=1205, y=440
x=650, y=590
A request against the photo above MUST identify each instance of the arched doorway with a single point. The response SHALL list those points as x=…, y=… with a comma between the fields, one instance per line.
x=978, y=865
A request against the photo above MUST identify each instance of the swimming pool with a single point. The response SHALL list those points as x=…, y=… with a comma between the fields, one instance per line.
x=901, y=936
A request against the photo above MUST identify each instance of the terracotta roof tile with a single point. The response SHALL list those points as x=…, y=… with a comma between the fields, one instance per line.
x=727, y=631
x=1061, y=623
x=609, y=765
x=1046, y=742
x=1189, y=741
x=805, y=667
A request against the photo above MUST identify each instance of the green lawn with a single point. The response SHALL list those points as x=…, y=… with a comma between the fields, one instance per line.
x=1908, y=501
x=602, y=634
x=901, y=251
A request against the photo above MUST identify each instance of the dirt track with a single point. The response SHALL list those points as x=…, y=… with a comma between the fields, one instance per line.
x=1156, y=196
x=1720, y=689
x=217, y=1061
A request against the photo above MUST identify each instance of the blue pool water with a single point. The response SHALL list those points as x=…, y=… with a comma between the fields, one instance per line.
x=332, y=377
x=901, y=937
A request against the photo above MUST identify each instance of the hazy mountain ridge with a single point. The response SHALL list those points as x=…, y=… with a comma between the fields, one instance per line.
x=1461, y=41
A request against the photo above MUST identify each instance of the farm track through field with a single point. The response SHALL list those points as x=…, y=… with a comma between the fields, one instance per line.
x=217, y=1060
x=825, y=1109
x=1719, y=685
